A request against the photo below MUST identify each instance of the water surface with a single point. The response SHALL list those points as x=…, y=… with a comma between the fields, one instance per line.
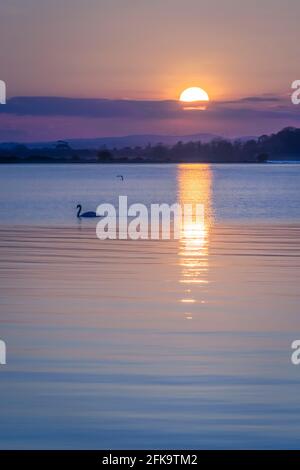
x=150, y=344
x=48, y=194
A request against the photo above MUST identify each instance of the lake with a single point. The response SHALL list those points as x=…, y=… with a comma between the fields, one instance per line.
x=123, y=344
x=48, y=194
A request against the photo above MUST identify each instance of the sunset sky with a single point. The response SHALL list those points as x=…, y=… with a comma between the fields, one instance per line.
x=244, y=54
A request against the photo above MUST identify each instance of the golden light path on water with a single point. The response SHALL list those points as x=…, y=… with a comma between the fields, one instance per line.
x=194, y=187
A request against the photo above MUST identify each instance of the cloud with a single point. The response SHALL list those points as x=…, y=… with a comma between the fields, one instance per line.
x=271, y=107
x=45, y=118
x=97, y=108
x=257, y=99
x=261, y=99
x=11, y=134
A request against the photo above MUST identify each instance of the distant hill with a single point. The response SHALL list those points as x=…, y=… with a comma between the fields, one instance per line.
x=123, y=141
x=195, y=148
x=245, y=138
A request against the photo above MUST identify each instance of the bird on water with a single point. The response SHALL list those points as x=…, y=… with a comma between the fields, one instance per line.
x=88, y=214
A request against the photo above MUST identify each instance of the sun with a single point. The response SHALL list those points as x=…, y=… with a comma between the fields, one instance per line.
x=193, y=94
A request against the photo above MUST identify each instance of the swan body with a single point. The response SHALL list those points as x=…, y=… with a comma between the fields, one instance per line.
x=88, y=214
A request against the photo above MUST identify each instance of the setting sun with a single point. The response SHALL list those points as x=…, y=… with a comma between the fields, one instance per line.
x=193, y=94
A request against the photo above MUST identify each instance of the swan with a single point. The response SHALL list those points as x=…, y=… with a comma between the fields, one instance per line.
x=85, y=214
x=121, y=177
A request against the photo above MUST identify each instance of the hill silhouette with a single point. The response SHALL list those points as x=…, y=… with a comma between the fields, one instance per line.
x=284, y=145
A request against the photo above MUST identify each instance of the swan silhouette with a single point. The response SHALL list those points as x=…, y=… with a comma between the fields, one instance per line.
x=85, y=214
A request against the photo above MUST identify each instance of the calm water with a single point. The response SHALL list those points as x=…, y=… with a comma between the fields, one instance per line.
x=150, y=344
x=48, y=194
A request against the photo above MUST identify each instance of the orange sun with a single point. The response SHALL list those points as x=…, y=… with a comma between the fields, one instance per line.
x=193, y=94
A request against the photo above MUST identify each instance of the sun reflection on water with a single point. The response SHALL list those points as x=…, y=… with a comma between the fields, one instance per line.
x=194, y=187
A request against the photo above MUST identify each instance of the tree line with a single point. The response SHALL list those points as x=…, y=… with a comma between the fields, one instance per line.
x=284, y=144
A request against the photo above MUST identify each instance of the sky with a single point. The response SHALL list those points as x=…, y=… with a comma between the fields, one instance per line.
x=118, y=66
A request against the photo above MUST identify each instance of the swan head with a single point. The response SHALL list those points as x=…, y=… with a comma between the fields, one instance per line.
x=78, y=207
